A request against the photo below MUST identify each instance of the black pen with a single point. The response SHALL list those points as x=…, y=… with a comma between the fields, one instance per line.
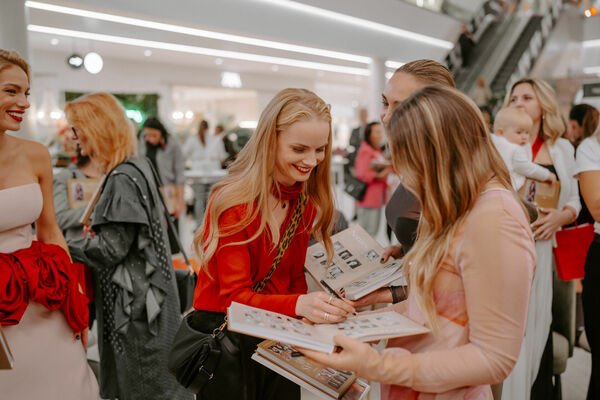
x=330, y=290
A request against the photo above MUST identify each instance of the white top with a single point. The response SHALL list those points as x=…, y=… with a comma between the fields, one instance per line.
x=588, y=159
x=518, y=161
x=206, y=157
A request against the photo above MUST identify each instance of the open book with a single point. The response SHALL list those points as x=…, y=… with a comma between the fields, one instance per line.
x=355, y=267
x=6, y=357
x=327, y=383
x=364, y=327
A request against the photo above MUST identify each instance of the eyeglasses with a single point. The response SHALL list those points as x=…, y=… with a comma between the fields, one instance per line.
x=75, y=135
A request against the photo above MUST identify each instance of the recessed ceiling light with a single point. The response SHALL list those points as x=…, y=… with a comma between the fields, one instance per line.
x=393, y=64
x=320, y=74
x=275, y=68
x=199, y=50
x=219, y=61
x=93, y=62
x=54, y=41
x=75, y=61
x=231, y=80
x=147, y=52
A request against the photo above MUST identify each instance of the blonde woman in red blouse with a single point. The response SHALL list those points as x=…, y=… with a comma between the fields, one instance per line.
x=248, y=212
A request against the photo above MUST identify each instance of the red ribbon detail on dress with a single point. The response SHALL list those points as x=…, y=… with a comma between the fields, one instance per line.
x=537, y=145
x=42, y=273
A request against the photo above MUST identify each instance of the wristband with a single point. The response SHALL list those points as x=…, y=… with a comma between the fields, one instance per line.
x=397, y=297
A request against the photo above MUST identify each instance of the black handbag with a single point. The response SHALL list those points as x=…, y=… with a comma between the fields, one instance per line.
x=202, y=361
x=355, y=187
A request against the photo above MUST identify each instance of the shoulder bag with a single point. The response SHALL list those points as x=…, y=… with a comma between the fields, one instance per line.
x=202, y=359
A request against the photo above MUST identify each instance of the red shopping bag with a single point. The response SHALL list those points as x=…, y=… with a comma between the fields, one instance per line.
x=571, y=249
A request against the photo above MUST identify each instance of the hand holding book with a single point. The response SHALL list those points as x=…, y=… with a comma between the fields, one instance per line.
x=321, y=307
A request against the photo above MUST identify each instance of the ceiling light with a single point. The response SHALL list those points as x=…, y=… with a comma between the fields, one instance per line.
x=198, y=50
x=219, y=61
x=177, y=115
x=363, y=23
x=231, y=80
x=75, y=61
x=320, y=74
x=197, y=32
x=275, y=68
x=93, y=62
x=189, y=114
x=147, y=52
x=591, y=43
x=54, y=41
x=393, y=64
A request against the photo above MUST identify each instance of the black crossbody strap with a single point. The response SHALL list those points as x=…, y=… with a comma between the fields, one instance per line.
x=285, y=240
x=170, y=223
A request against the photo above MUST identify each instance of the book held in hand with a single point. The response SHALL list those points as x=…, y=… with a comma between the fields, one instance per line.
x=364, y=327
x=330, y=382
x=541, y=194
x=355, y=269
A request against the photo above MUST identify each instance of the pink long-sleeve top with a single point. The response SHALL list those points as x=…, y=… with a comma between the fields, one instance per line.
x=376, y=188
x=481, y=293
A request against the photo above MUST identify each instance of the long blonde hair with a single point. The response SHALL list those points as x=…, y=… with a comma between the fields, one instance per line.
x=250, y=179
x=439, y=140
x=552, y=125
x=101, y=118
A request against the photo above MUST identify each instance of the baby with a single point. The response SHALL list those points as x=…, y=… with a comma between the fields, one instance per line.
x=511, y=138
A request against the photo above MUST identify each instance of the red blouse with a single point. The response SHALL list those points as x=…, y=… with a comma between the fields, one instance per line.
x=234, y=269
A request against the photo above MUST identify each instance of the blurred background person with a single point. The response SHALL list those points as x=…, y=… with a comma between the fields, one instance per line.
x=482, y=94
x=583, y=121
x=164, y=152
x=534, y=370
x=371, y=167
x=44, y=320
x=136, y=296
x=588, y=170
x=206, y=153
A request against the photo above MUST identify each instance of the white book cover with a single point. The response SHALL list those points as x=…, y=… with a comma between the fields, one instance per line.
x=355, y=269
x=364, y=327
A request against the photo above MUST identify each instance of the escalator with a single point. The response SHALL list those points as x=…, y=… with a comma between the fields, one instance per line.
x=511, y=62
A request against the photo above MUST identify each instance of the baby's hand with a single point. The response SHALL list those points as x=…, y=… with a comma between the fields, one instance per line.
x=552, y=179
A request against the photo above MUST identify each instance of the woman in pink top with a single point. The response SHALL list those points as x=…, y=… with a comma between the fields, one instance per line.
x=368, y=168
x=471, y=268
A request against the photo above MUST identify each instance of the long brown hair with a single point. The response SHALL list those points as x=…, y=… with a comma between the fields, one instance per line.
x=587, y=117
x=439, y=140
x=250, y=179
x=428, y=72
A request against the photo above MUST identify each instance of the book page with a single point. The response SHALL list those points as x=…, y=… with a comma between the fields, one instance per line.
x=365, y=327
x=356, y=256
x=271, y=325
x=375, y=326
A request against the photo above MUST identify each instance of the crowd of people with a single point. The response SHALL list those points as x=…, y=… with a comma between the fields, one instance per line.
x=478, y=257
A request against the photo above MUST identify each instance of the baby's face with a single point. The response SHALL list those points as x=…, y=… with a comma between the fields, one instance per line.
x=517, y=134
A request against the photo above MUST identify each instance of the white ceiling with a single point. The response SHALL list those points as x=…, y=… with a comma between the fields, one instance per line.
x=254, y=18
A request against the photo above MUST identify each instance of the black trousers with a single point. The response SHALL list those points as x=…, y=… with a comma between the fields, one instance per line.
x=591, y=317
x=258, y=382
